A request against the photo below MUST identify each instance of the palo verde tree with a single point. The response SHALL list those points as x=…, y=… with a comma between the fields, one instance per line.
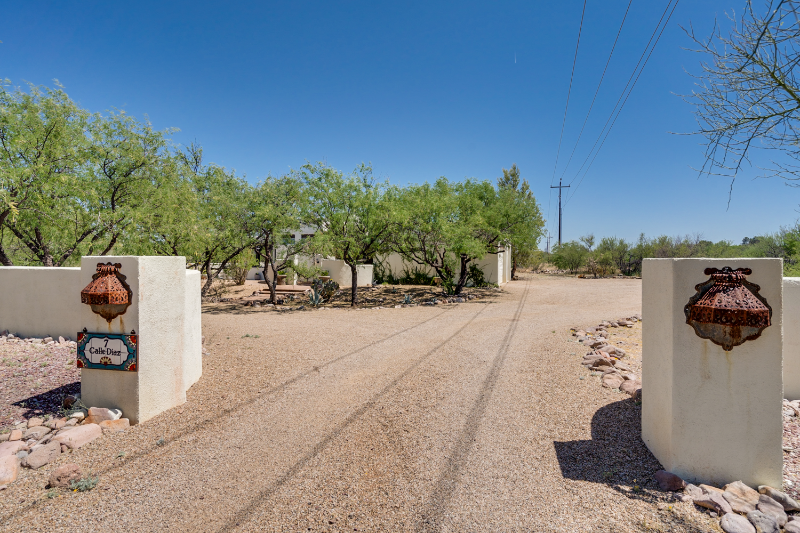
x=748, y=93
x=278, y=208
x=352, y=215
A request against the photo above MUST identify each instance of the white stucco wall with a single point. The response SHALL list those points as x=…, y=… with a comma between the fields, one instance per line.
x=709, y=415
x=341, y=274
x=39, y=301
x=192, y=331
x=791, y=338
x=495, y=267
x=157, y=316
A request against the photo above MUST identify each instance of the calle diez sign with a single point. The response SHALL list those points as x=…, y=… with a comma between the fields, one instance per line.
x=108, y=351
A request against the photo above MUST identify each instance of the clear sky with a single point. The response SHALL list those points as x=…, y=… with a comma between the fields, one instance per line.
x=420, y=89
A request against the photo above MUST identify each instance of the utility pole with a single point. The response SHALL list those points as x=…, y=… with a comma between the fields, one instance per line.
x=559, y=187
x=548, y=242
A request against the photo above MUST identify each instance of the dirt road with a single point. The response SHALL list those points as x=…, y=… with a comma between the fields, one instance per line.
x=468, y=417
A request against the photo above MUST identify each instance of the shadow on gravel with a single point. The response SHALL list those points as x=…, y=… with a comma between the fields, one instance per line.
x=48, y=402
x=616, y=455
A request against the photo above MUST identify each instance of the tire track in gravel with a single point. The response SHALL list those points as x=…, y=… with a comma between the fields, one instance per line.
x=143, y=454
x=431, y=519
x=244, y=513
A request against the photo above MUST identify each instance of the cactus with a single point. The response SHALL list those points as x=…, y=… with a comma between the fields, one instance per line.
x=315, y=298
x=325, y=289
x=407, y=299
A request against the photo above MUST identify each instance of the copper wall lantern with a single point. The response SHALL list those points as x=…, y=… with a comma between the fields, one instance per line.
x=108, y=294
x=727, y=309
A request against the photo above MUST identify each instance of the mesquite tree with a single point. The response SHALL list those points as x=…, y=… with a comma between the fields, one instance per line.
x=279, y=205
x=352, y=215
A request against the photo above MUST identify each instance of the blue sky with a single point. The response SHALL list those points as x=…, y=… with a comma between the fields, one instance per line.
x=419, y=89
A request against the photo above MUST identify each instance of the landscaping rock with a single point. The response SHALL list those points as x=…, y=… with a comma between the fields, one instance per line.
x=709, y=489
x=631, y=386
x=773, y=509
x=9, y=469
x=762, y=522
x=63, y=475
x=788, y=503
x=35, y=422
x=78, y=415
x=714, y=501
x=11, y=447
x=115, y=426
x=739, y=505
x=693, y=491
x=669, y=481
x=612, y=380
x=601, y=363
x=36, y=432
x=792, y=527
x=734, y=523
x=744, y=492
x=69, y=401
x=77, y=437
x=98, y=414
x=56, y=423
x=41, y=456
x=15, y=434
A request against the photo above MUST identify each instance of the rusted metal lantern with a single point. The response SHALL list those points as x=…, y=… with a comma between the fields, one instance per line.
x=727, y=309
x=108, y=294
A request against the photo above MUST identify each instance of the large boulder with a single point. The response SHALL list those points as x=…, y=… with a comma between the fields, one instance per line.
x=739, y=505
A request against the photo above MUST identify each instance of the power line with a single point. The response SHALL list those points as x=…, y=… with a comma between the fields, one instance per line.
x=626, y=98
x=602, y=77
x=569, y=91
x=566, y=106
x=624, y=89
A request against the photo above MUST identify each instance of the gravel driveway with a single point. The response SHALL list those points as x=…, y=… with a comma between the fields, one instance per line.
x=468, y=417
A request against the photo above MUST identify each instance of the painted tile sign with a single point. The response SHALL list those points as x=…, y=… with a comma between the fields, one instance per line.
x=108, y=351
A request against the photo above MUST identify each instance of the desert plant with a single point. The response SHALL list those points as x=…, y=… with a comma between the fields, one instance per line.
x=476, y=277
x=84, y=484
x=407, y=299
x=315, y=298
x=415, y=276
x=326, y=289
x=239, y=266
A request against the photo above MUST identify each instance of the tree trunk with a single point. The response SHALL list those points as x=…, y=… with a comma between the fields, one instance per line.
x=462, y=277
x=4, y=259
x=209, y=279
x=354, y=288
x=514, y=268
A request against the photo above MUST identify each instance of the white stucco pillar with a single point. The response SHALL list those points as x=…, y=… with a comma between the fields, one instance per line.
x=709, y=415
x=157, y=314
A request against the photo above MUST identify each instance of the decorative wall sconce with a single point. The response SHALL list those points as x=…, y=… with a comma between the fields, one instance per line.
x=108, y=294
x=727, y=309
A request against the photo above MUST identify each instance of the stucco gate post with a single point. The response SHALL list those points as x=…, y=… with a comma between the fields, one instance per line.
x=711, y=415
x=158, y=315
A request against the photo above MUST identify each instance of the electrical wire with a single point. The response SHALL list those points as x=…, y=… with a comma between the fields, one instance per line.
x=615, y=116
x=599, y=84
x=569, y=93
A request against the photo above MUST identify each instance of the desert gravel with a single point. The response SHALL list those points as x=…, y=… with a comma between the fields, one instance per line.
x=465, y=417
